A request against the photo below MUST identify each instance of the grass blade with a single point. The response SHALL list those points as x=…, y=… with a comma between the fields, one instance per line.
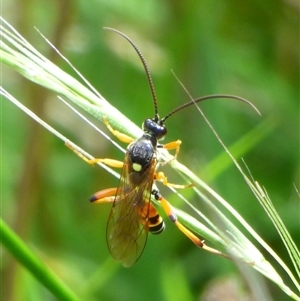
x=34, y=265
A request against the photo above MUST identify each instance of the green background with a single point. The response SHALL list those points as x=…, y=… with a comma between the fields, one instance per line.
x=250, y=49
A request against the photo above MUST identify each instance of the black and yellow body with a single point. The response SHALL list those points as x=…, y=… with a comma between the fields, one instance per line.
x=132, y=215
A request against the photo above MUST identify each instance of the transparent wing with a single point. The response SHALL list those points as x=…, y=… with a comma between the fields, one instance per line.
x=127, y=227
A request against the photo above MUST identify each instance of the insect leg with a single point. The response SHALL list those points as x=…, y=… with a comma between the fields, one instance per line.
x=171, y=214
x=121, y=136
x=160, y=176
x=106, y=161
x=173, y=145
x=104, y=196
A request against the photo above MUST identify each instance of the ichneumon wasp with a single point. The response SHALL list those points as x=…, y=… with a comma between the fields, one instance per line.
x=133, y=215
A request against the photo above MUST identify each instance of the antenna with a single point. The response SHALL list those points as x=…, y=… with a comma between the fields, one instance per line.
x=145, y=67
x=194, y=101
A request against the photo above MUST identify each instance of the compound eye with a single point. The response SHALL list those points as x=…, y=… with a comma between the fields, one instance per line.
x=147, y=125
x=161, y=133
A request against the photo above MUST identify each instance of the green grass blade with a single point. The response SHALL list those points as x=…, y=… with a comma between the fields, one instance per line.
x=17, y=53
x=32, y=263
x=239, y=148
x=290, y=245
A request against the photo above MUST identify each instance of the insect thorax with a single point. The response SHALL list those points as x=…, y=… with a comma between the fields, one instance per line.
x=141, y=152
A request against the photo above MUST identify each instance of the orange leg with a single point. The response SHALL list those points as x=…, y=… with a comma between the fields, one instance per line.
x=160, y=176
x=106, y=161
x=173, y=145
x=104, y=196
x=110, y=162
x=171, y=214
x=122, y=137
x=107, y=195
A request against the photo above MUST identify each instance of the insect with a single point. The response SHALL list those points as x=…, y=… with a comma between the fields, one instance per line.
x=132, y=214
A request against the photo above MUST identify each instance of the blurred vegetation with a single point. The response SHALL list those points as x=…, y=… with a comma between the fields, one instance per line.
x=251, y=50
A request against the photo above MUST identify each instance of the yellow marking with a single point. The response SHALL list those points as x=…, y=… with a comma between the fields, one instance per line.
x=137, y=167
